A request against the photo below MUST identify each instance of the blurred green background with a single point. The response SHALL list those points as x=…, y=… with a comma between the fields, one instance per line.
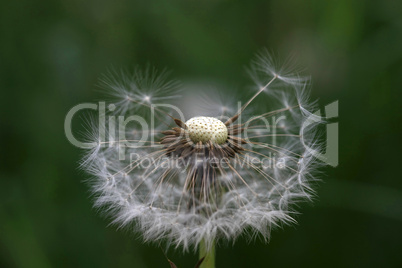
x=53, y=52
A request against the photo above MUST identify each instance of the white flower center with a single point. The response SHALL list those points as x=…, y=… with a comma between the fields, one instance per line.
x=206, y=129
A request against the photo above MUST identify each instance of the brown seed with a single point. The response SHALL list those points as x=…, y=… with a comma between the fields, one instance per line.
x=179, y=131
x=238, y=139
x=231, y=120
x=235, y=146
x=168, y=139
x=168, y=132
x=187, y=151
x=180, y=123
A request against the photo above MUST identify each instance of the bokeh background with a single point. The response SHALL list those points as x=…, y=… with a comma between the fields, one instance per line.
x=53, y=52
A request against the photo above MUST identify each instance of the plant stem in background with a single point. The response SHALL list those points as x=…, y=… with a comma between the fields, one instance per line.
x=208, y=255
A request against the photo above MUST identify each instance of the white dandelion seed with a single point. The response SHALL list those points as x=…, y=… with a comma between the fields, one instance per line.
x=207, y=179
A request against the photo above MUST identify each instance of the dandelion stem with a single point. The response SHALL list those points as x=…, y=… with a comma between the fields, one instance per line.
x=207, y=254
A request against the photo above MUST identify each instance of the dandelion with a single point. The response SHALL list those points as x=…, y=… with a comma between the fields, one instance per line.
x=192, y=182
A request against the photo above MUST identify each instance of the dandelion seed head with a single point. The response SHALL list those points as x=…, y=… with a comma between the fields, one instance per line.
x=203, y=177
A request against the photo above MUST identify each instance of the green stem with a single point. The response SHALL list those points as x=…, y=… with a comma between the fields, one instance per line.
x=209, y=260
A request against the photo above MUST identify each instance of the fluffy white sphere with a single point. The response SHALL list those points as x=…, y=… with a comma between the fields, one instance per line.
x=175, y=191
